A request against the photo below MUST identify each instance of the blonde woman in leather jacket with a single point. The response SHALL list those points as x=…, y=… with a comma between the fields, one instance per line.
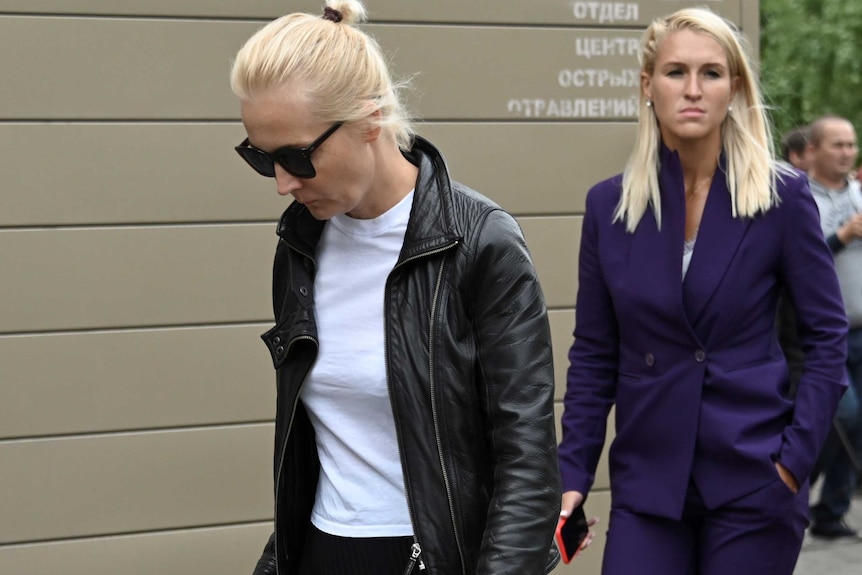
x=414, y=420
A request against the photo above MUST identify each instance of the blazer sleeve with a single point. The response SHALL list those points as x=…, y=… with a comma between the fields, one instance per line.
x=593, y=358
x=808, y=273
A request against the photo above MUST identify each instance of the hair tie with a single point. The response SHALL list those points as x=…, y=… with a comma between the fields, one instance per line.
x=332, y=14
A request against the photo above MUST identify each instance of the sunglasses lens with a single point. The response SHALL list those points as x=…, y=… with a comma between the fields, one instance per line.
x=257, y=160
x=296, y=163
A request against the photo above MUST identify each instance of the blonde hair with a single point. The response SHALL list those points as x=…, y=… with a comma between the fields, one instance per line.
x=746, y=133
x=339, y=68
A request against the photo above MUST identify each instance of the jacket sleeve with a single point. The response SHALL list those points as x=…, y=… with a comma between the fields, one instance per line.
x=835, y=244
x=593, y=363
x=809, y=277
x=516, y=365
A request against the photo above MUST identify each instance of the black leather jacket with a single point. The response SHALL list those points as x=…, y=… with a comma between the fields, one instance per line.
x=468, y=354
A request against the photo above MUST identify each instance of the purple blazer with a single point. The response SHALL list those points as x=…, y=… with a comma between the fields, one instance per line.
x=693, y=367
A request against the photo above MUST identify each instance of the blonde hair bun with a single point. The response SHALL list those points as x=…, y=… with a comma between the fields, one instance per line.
x=352, y=11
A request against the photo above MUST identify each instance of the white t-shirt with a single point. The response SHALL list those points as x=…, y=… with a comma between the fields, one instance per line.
x=361, y=489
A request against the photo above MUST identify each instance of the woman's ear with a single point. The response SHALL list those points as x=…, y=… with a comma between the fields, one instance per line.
x=646, y=86
x=734, y=87
x=372, y=133
x=371, y=130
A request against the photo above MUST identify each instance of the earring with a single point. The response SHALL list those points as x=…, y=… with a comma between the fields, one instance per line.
x=730, y=109
x=649, y=103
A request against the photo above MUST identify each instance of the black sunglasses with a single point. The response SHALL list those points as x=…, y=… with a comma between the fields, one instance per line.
x=296, y=161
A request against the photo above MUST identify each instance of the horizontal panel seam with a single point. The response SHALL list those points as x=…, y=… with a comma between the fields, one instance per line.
x=136, y=328
x=419, y=122
x=50, y=120
x=132, y=17
x=556, y=25
x=55, y=122
x=154, y=224
x=144, y=225
x=138, y=432
x=121, y=535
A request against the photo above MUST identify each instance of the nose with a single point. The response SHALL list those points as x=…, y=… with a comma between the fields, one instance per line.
x=692, y=87
x=285, y=182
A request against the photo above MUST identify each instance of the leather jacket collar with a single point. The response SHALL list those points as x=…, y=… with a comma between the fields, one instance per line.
x=432, y=225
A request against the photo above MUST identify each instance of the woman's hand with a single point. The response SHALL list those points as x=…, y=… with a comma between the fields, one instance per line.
x=785, y=476
x=572, y=499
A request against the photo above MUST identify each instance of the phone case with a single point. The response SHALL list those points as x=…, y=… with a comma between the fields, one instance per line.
x=570, y=534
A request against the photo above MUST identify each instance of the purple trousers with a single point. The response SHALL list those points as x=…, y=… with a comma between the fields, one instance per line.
x=758, y=534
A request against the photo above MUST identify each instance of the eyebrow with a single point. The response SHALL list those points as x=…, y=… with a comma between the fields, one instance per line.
x=675, y=64
x=277, y=148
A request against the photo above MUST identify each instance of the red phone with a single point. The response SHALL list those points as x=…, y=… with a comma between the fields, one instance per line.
x=571, y=532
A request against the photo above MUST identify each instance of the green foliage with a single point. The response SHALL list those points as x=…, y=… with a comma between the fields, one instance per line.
x=811, y=60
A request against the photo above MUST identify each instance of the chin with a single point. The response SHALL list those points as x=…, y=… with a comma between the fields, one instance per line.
x=695, y=135
x=320, y=213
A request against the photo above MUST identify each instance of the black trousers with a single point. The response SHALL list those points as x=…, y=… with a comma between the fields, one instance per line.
x=326, y=554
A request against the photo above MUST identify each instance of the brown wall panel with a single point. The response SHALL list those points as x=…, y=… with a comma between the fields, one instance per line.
x=215, y=551
x=178, y=69
x=562, y=325
x=79, y=68
x=201, y=8
x=109, y=277
x=105, y=381
x=95, y=173
x=162, y=173
x=557, y=12
x=554, y=12
x=516, y=73
x=128, y=483
x=533, y=168
x=171, y=69
x=553, y=244
x=92, y=278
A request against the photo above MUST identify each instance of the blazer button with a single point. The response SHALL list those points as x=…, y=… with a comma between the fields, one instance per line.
x=700, y=355
x=303, y=290
x=649, y=359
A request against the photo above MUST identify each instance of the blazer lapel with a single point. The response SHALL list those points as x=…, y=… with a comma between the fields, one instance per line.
x=655, y=256
x=718, y=240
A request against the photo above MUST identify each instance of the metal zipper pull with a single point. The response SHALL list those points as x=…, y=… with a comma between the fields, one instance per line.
x=415, y=551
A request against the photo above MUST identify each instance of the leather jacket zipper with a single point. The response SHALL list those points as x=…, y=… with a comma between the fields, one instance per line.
x=417, y=549
x=434, y=414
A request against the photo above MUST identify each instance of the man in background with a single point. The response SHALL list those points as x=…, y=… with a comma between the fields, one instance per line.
x=794, y=149
x=832, y=151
